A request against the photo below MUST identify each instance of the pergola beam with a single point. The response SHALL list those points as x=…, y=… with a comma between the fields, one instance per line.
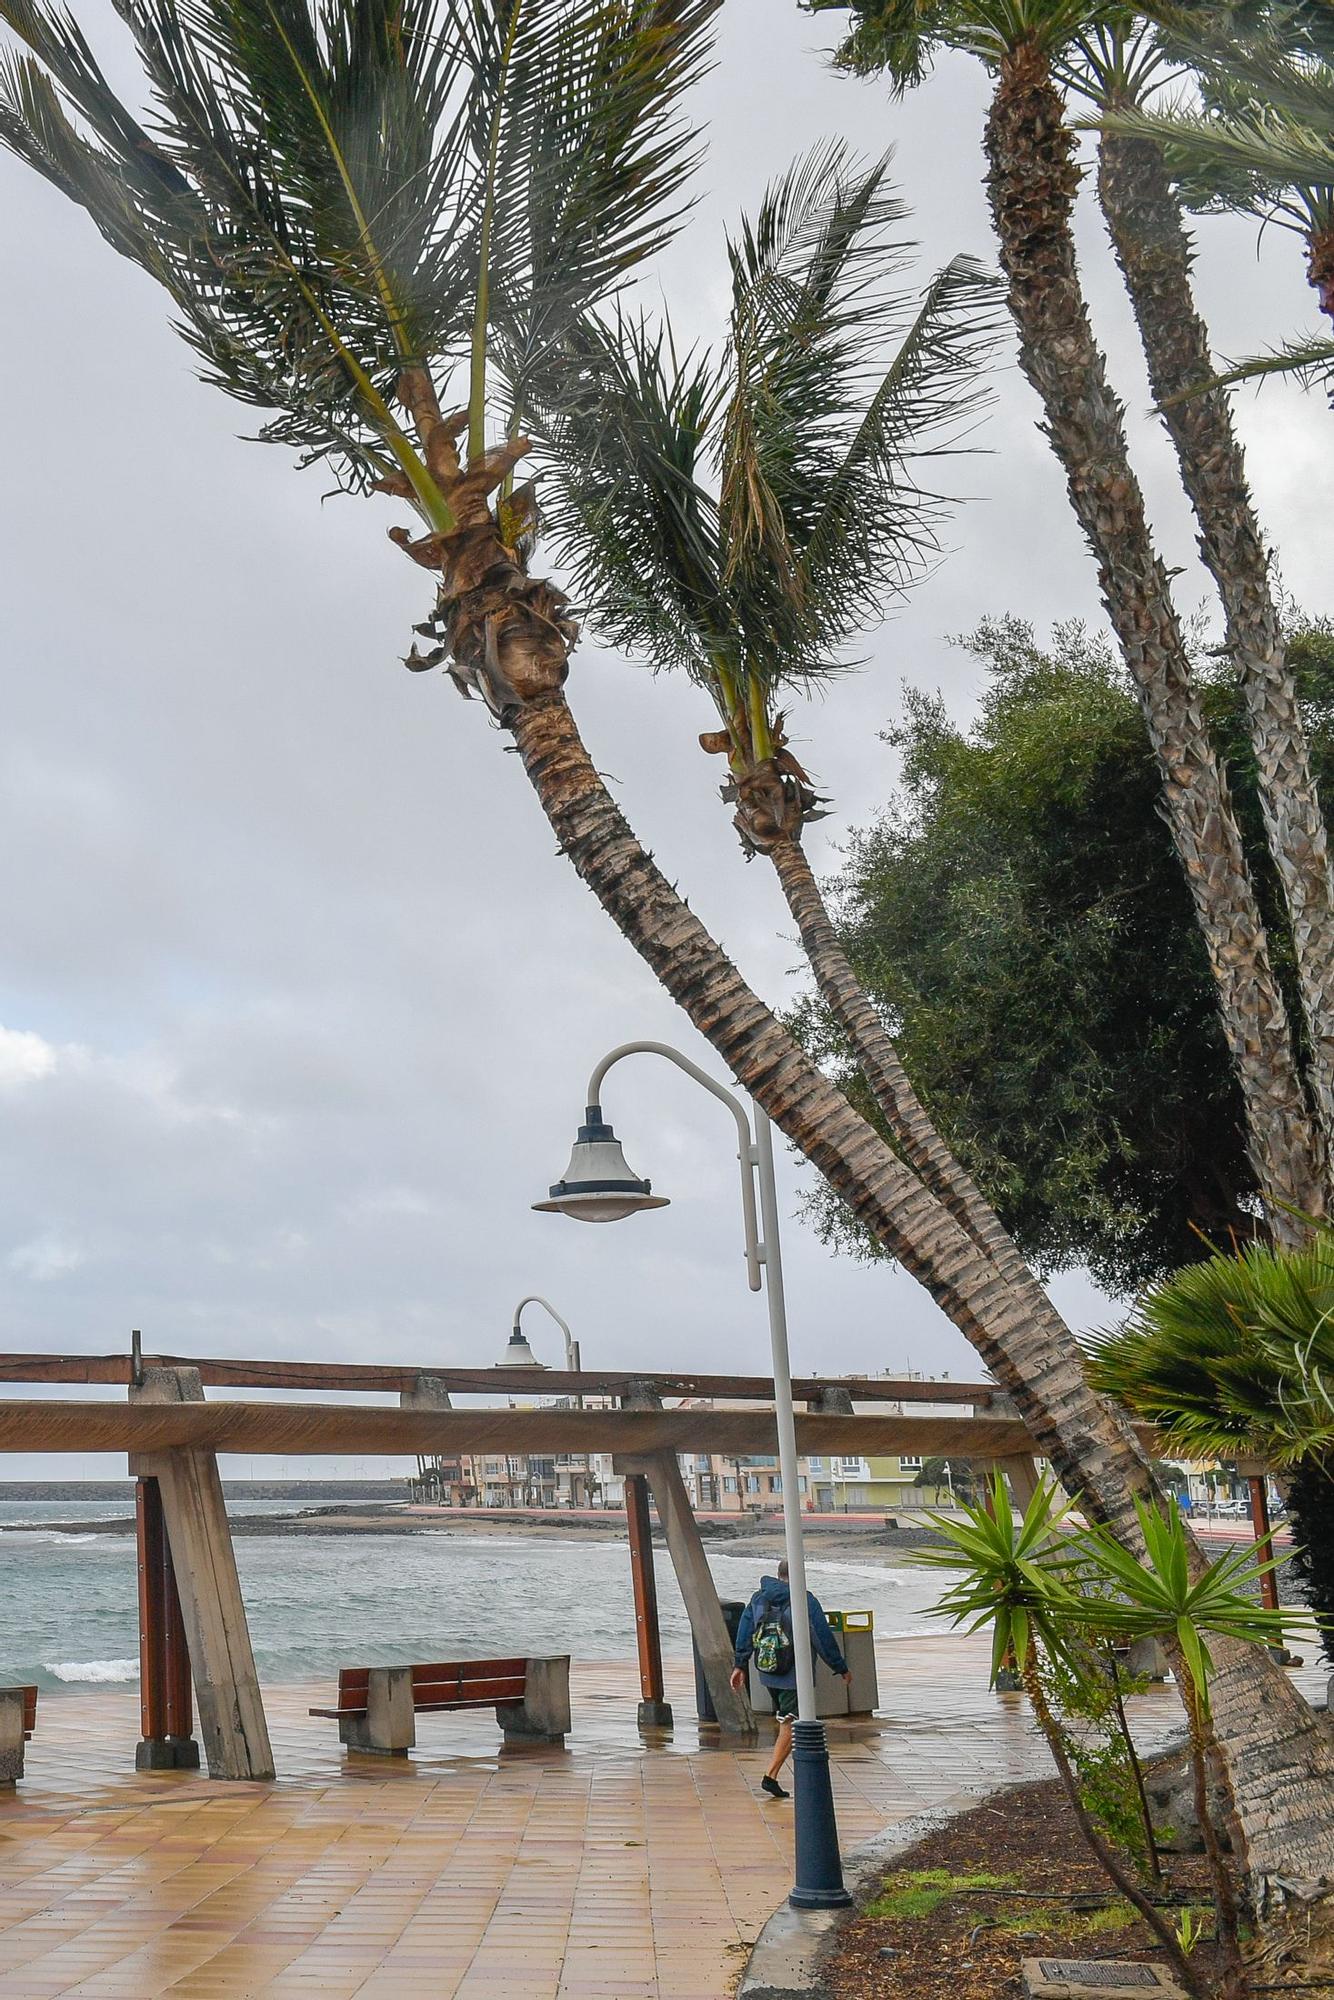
x=368, y=1378
x=38, y=1424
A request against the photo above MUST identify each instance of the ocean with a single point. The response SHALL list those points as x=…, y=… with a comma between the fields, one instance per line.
x=68, y=1616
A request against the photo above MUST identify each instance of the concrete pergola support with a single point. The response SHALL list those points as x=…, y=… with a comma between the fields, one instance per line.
x=686, y=1549
x=194, y=1514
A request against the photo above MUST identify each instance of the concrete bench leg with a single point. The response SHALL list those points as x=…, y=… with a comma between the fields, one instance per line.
x=389, y=1726
x=543, y=1716
x=11, y=1736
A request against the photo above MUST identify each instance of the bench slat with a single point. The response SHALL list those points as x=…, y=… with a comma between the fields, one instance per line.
x=471, y=1670
x=441, y=1694
x=437, y=1686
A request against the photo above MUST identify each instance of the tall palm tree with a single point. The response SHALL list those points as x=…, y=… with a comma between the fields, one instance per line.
x=1236, y=1356
x=1032, y=184
x=353, y=210
x=1121, y=66
x=742, y=517
x=1262, y=141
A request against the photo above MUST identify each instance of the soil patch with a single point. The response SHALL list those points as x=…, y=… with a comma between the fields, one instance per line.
x=1010, y=1880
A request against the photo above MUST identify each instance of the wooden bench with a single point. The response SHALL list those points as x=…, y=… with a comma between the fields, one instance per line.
x=378, y=1706
x=18, y=1719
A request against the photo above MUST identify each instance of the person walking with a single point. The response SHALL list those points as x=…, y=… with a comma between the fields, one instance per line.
x=765, y=1634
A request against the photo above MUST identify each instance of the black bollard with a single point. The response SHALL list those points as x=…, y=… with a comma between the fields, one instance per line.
x=819, y=1883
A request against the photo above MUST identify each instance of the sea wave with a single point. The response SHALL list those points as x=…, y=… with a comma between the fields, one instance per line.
x=48, y=1538
x=93, y=1670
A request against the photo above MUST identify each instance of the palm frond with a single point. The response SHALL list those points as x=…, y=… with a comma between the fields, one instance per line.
x=586, y=157
x=310, y=181
x=743, y=518
x=625, y=503
x=1227, y=1355
x=1311, y=361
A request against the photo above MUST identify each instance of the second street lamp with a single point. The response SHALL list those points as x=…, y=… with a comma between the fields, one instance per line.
x=598, y=1186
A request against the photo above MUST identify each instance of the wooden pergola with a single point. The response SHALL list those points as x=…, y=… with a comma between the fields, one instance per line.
x=192, y=1619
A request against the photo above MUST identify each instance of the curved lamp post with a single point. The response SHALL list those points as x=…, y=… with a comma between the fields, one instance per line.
x=520, y=1353
x=599, y=1186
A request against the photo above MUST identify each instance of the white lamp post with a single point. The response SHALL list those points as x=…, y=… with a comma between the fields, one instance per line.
x=512, y=1356
x=599, y=1186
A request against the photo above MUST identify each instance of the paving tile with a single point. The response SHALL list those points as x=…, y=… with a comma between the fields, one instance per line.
x=468, y=1872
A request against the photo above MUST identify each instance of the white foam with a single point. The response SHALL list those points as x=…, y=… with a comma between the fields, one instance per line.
x=93, y=1670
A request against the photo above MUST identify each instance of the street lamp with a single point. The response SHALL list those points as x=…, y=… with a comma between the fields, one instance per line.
x=598, y=1186
x=511, y=1356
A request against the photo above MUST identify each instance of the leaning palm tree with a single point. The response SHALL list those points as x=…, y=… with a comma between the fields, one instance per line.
x=1235, y=1356
x=744, y=517
x=1032, y=184
x=377, y=221
x=1120, y=67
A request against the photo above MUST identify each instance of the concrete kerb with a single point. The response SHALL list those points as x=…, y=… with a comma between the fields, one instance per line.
x=785, y=1960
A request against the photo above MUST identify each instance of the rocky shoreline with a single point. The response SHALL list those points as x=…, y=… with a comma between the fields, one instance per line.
x=760, y=1540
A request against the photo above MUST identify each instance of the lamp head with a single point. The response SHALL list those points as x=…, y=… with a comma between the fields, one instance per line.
x=518, y=1354
x=598, y=1185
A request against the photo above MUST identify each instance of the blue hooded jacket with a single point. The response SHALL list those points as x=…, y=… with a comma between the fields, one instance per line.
x=774, y=1597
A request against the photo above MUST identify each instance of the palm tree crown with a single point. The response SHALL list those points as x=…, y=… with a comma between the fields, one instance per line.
x=742, y=515
x=349, y=201
x=1235, y=1354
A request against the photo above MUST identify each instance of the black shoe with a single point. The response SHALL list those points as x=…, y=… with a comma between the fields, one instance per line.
x=773, y=1788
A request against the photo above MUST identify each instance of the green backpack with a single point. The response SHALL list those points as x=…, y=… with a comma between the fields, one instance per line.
x=772, y=1643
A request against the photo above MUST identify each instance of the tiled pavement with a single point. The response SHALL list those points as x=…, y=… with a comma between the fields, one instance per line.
x=614, y=1868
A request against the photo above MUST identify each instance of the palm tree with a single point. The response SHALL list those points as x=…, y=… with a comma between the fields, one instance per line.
x=742, y=518
x=1119, y=66
x=1263, y=146
x=1235, y=1356
x=1263, y=143
x=355, y=208
x=1032, y=184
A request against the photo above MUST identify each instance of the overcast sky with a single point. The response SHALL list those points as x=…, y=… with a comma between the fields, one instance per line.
x=297, y=1001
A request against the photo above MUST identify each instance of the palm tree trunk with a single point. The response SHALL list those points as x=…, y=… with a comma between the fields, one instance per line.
x=1091, y=1449
x=1032, y=183
x=1155, y=255
x=878, y=1060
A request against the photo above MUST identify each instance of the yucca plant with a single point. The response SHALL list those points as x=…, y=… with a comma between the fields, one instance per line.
x=1163, y=1597
x=1025, y=1582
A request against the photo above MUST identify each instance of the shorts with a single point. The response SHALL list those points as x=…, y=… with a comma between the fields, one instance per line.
x=785, y=1703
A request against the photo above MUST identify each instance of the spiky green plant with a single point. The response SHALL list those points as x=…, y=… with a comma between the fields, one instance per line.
x=1026, y=1581
x=1162, y=1597
x=1232, y=1355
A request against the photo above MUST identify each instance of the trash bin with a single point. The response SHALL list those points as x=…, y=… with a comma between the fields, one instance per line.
x=732, y=1609
x=855, y=1632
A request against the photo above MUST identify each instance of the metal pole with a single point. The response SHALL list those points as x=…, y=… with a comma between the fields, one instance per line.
x=819, y=1870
